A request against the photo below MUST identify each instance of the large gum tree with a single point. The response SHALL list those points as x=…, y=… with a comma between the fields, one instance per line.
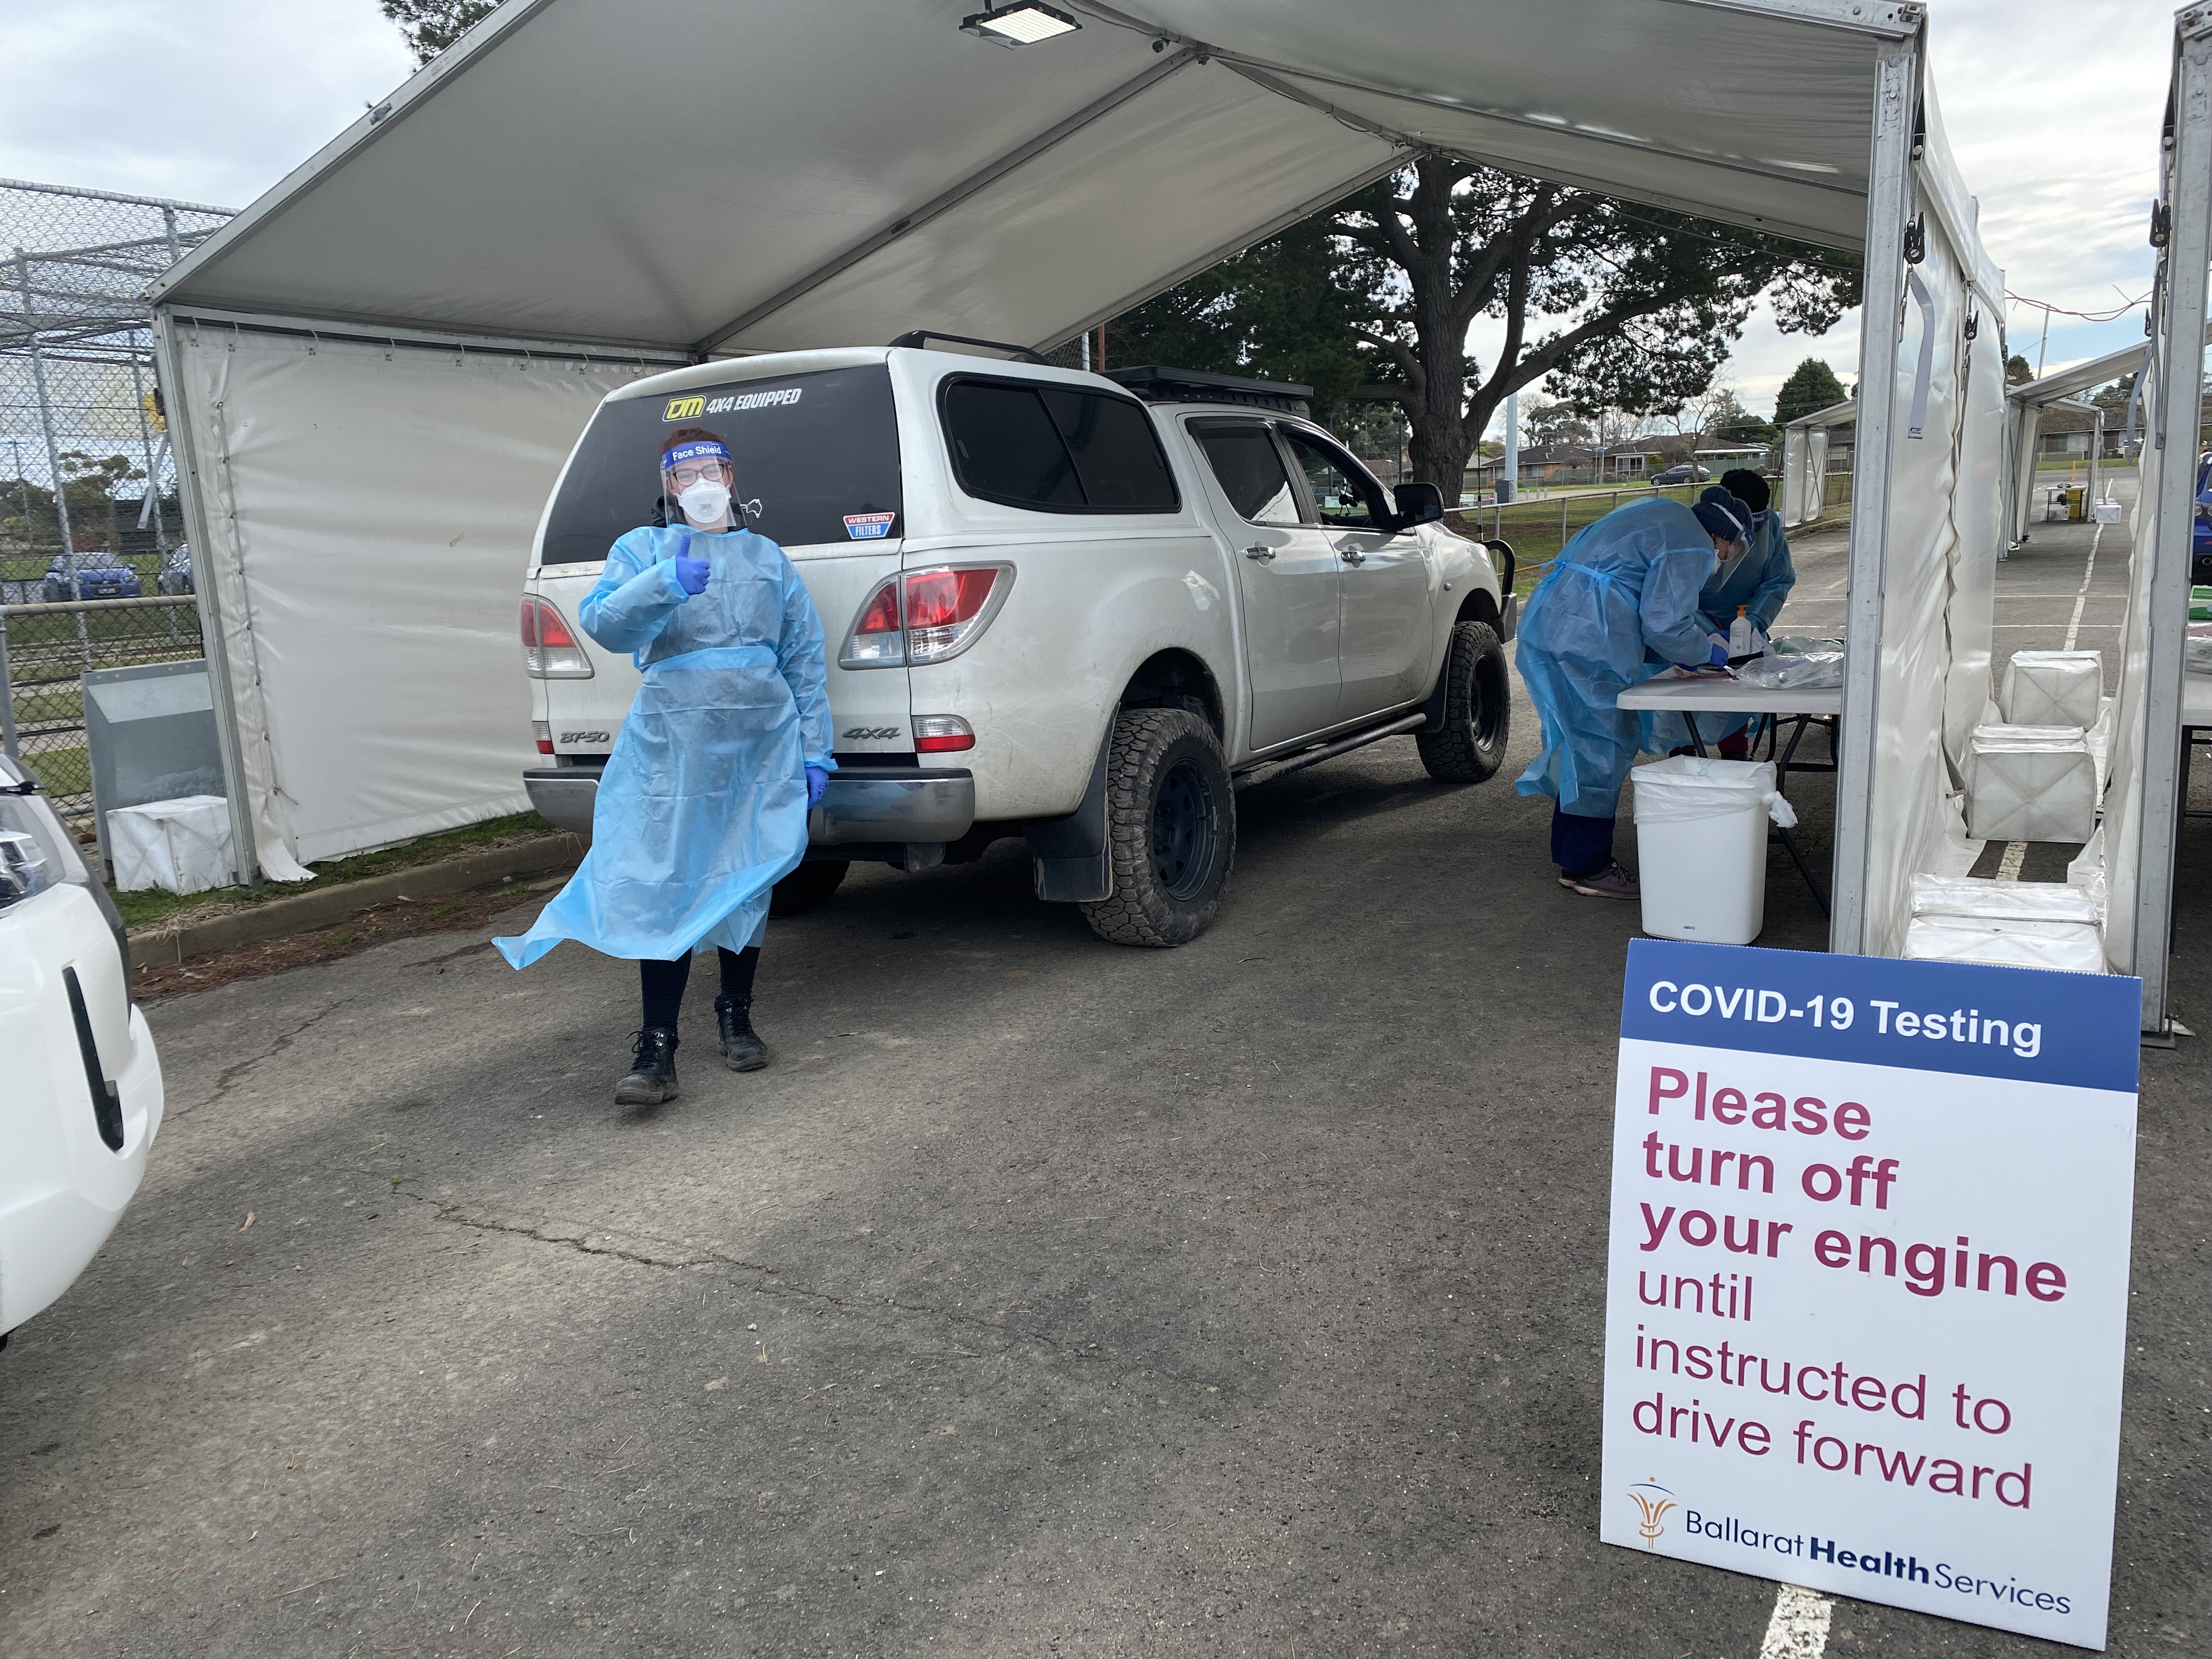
x=1626, y=308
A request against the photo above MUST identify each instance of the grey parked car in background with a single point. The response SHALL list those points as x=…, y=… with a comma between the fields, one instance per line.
x=176, y=574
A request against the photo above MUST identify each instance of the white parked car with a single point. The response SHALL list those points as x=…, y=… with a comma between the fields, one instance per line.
x=1077, y=609
x=81, y=1099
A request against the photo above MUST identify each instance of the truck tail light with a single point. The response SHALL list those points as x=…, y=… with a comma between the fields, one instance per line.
x=542, y=734
x=550, y=651
x=925, y=616
x=942, y=734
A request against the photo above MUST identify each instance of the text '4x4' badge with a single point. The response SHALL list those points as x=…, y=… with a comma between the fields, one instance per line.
x=868, y=526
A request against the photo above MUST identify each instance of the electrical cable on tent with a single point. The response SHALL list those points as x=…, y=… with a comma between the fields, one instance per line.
x=1022, y=24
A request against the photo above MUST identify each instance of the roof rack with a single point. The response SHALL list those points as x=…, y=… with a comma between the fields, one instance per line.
x=1157, y=385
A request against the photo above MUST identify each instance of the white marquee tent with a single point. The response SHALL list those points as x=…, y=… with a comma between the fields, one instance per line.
x=376, y=370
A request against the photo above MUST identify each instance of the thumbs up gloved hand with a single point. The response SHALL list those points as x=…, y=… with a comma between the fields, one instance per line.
x=691, y=573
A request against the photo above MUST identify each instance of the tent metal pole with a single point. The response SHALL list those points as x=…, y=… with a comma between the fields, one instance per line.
x=1889, y=200
x=2175, y=424
x=214, y=646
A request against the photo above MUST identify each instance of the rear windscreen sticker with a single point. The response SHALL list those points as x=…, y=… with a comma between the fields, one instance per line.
x=868, y=526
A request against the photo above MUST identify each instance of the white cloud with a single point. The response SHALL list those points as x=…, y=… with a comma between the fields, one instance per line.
x=2052, y=109
x=207, y=102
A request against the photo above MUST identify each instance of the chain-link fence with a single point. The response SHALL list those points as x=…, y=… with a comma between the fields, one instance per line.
x=94, y=568
x=44, y=652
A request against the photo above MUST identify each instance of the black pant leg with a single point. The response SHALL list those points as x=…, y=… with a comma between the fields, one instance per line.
x=663, y=984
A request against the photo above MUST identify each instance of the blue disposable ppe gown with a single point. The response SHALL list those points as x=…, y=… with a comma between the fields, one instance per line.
x=1760, y=581
x=1619, y=601
x=702, y=807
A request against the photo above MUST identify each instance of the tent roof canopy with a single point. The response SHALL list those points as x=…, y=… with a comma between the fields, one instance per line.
x=1845, y=413
x=2066, y=383
x=785, y=174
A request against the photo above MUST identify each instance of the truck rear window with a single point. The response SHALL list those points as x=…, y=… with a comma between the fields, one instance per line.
x=817, y=457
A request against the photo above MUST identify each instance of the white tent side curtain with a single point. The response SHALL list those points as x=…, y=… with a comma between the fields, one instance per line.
x=2144, y=804
x=1927, y=528
x=364, y=582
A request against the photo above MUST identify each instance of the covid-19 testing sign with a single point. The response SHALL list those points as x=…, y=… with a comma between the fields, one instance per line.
x=1867, y=1304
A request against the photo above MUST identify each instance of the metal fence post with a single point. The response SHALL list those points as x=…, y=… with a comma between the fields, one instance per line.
x=7, y=694
x=53, y=453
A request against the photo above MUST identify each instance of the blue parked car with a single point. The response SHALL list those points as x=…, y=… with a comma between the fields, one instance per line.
x=2200, y=533
x=94, y=580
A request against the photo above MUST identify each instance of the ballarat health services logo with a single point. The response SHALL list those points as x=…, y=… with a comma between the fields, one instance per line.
x=1654, y=1502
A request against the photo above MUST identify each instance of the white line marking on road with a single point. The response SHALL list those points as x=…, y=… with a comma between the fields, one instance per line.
x=2089, y=569
x=2015, y=854
x=1799, y=1627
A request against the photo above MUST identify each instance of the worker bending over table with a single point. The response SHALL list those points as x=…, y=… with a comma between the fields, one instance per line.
x=1619, y=603
x=1757, y=581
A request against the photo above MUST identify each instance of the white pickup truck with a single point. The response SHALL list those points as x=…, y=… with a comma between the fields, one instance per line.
x=1077, y=609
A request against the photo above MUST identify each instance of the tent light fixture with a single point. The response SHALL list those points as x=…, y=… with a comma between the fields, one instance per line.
x=1023, y=23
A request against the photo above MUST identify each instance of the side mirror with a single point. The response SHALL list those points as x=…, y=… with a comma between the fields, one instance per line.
x=1418, y=503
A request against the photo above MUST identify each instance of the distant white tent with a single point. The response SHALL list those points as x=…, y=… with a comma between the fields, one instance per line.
x=379, y=366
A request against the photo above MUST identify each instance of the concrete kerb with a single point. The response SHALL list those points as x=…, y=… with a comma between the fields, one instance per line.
x=251, y=923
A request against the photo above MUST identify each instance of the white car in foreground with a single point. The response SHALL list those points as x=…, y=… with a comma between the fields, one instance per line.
x=80, y=1083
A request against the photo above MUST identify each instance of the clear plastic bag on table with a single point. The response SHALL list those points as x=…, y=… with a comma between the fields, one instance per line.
x=1817, y=671
x=2197, y=653
x=1799, y=645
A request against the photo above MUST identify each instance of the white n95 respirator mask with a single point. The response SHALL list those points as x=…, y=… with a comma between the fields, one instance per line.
x=705, y=502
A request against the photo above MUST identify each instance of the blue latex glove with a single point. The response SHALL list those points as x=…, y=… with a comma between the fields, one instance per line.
x=691, y=573
x=1719, y=657
x=817, y=785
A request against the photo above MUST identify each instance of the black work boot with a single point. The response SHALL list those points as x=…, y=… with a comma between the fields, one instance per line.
x=651, y=1077
x=742, y=1048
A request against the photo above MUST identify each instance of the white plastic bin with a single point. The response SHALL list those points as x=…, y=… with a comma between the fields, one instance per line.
x=1701, y=846
x=183, y=845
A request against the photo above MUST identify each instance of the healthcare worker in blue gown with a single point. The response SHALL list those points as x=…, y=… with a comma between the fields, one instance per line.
x=1758, y=582
x=1619, y=603
x=702, y=806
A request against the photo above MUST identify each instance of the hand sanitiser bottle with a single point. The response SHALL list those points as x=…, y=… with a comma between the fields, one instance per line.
x=1739, y=632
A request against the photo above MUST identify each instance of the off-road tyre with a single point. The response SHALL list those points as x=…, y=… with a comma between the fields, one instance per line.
x=1170, y=827
x=807, y=888
x=1478, y=709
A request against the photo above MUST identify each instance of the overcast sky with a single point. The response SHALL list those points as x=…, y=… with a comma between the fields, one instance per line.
x=2052, y=107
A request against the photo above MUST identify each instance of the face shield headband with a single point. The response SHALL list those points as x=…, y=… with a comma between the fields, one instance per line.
x=701, y=449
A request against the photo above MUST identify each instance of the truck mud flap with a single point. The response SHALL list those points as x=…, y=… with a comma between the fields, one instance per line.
x=1071, y=857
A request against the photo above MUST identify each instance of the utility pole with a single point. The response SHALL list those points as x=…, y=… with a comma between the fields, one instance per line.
x=1508, y=472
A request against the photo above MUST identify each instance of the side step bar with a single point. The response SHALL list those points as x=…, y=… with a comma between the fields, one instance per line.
x=1298, y=763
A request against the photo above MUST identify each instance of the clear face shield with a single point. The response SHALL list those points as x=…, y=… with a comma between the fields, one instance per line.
x=695, y=479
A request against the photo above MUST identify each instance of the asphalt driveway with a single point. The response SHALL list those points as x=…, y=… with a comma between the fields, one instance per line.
x=1043, y=1297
